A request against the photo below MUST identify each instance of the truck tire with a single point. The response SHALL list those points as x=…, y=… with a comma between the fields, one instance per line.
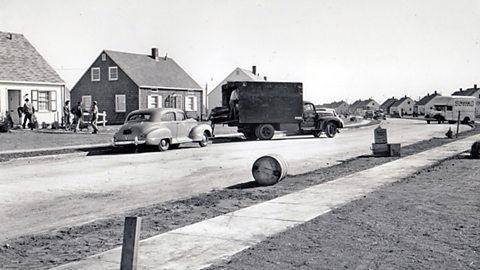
x=264, y=131
x=330, y=129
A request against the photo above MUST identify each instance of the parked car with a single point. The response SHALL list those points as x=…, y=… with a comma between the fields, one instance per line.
x=165, y=128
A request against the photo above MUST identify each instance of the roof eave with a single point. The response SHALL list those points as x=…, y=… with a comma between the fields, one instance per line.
x=33, y=82
x=171, y=88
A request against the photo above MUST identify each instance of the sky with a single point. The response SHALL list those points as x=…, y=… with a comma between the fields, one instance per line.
x=339, y=49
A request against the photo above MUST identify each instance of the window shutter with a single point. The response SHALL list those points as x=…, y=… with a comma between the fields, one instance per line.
x=159, y=102
x=35, y=99
x=53, y=101
x=195, y=108
x=149, y=102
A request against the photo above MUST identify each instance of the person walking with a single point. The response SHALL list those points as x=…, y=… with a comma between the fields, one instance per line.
x=66, y=115
x=28, y=110
x=78, y=113
x=94, y=114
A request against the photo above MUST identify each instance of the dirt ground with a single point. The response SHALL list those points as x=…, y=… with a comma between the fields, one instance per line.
x=428, y=221
x=347, y=237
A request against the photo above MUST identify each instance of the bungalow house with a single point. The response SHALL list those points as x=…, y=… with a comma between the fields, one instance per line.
x=341, y=107
x=403, y=106
x=24, y=73
x=387, y=104
x=425, y=104
x=360, y=106
x=471, y=92
x=214, y=98
x=121, y=82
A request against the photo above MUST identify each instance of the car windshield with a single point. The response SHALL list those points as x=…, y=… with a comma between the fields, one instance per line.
x=139, y=117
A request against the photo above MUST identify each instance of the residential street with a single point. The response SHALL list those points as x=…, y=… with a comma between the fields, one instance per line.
x=76, y=188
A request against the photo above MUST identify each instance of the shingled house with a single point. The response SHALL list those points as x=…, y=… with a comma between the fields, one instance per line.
x=122, y=82
x=214, y=98
x=24, y=73
x=360, y=106
x=341, y=107
x=387, y=104
x=425, y=104
x=403, y=106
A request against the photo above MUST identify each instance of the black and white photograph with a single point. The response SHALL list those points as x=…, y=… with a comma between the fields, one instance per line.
x=239, y=134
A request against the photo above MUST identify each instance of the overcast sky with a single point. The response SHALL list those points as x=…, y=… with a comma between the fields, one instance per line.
x=339, y=49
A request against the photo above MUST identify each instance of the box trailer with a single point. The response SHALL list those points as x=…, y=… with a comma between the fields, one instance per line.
x=452, y=109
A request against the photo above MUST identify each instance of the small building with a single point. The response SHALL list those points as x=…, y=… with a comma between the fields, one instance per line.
x=341, y=107
x=360, y=106
x=425, y=104
x=403, y=106
x=471, y=92
x=214, y=97
x=24, y=73
x=122, y=82
x=387, y=104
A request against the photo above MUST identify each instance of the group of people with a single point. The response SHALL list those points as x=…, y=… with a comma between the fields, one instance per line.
x=77, y=112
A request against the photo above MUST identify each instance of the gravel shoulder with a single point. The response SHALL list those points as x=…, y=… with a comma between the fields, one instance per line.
x=60, y=246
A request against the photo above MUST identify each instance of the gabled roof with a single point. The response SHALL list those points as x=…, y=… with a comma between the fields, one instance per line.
x=360, y=103
x=426, y=99
x=400, y=101
x=333, y=105
x=148, y=72
x=389, y=102
x=252, y=76
x=466, y=92
x=21, y=62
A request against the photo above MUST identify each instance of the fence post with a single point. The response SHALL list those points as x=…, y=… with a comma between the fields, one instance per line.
x=104, y=118
x=458, y=125
x=131, y=235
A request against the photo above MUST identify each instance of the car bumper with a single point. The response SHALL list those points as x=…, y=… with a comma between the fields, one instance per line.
x=129, y=142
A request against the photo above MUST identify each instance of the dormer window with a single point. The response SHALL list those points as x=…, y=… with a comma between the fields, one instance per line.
x=95, y=73
x=112, y=73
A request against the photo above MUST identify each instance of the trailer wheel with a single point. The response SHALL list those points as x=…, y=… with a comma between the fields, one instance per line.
x=265, y=131
x=330, y=129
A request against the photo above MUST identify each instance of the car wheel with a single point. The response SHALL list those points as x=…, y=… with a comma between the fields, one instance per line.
x=265, y=132
x=204, y=141
x=331, y=130
x=164, y=145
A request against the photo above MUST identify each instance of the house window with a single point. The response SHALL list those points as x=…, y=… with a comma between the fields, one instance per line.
x=120, y=105
x=44, y=101
x=112, y=73
x=104, y=57
x=95, y=72
x=154, y=101
x=86, y=102
x=190, y=103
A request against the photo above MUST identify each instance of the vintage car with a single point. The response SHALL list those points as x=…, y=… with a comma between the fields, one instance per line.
x=165, y=128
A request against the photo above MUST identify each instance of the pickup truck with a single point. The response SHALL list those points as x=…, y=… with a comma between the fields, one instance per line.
x=261, y=108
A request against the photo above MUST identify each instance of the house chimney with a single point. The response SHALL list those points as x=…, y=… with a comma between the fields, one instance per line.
x=10, y=36
x=461, y=89
x=154, y=53
x=254, y=70
x=435, y=92
x=475, y=86
x=265, y=78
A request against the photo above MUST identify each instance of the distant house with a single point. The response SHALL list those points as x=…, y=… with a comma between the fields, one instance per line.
x=214, y=97
x=471, y=92
x=387, y=104
x=122, y=82
x=403, y=106
x=360, y=106
x=341, y=107
x=24, y=73
x=425, y=104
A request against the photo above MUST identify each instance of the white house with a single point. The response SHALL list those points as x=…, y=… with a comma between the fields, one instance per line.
x=214, y=97
x=25, y=74
x=403, y=106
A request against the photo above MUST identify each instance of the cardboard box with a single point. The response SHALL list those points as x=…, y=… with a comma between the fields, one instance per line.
x=380, y=149
x=394, y=149
x=380, y=135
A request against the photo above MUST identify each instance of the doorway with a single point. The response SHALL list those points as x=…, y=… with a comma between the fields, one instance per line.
x=14, y=101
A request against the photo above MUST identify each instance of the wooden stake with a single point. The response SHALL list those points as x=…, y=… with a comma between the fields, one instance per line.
x=458, y=124
x=131, y=235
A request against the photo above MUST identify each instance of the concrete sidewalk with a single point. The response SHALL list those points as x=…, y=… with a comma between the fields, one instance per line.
x=204, y=243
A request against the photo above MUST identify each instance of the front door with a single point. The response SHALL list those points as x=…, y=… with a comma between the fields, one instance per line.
x=14, y=101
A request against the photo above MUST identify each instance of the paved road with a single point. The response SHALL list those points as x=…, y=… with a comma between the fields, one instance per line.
x=43, y=193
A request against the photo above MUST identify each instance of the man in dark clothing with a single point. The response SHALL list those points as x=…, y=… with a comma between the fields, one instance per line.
x=78, y=113
x=28, y=110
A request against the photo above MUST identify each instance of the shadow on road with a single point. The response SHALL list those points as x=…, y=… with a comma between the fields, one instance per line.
x=246, y=185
